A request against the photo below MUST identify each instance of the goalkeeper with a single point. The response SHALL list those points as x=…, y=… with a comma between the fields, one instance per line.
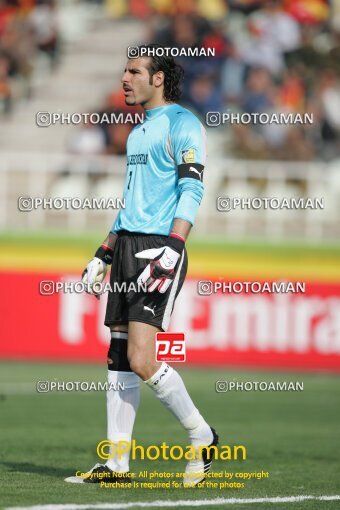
x=163, y=190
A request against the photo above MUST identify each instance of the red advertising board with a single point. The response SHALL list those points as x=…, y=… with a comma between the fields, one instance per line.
x=287, y=330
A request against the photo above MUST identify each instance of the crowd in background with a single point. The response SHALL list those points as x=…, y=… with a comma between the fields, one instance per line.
x=270, y=56
x=28, y=28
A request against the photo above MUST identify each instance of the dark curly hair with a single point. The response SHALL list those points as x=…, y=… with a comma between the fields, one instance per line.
x=173, y=72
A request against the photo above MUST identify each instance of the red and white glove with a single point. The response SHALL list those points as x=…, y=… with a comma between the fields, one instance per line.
x=96, y=269
x=160, y=272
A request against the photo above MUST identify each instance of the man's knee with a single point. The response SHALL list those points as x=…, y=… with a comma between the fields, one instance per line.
x=117, y=359
x=142, y=366
x=136, y=362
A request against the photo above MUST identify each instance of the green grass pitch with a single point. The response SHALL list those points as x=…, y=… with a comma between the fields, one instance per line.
x=47, y=437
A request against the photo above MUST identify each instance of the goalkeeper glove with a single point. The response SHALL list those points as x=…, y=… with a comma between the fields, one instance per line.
x=96, y=269
x=160, y=272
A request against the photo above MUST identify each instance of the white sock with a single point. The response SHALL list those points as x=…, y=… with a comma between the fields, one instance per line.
x=122, y=405
x=169, y=388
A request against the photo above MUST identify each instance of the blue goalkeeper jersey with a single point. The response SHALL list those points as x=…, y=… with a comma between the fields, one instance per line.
x=164, y=179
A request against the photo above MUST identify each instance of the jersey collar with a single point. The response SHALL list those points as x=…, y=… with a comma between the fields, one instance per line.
x=155, y=112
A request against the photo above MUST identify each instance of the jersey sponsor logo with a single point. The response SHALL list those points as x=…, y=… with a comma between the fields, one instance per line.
x=188, y=156
x=170, y=347
x=137, y=159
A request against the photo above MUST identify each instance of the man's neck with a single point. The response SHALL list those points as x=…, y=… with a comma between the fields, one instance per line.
x=152, y=104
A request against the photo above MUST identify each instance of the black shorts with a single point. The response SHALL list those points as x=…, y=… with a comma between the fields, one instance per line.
x=149, y=307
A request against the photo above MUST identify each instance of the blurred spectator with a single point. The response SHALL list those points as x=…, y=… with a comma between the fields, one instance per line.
x=202, y=78
x=87, y=140
x=116, y=135
x=205, y=95
x=44, y=23
x=17, y=44
x=246, y=6
x=5, y=90
x=27, y=27
x=259, y=91
x=106, y=137
x=273, y=33
x=7, y=13
x=292, y=91
x=308, y=11
x=328, y=97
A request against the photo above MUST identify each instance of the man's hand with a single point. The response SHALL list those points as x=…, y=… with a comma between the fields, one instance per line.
x=96, y=269
x=160, y=272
